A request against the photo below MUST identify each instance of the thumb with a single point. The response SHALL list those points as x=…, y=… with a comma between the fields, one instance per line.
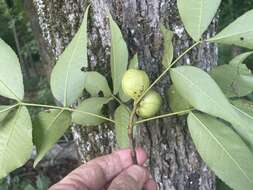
x=133, y=178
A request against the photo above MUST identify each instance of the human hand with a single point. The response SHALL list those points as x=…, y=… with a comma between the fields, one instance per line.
x=110, y=172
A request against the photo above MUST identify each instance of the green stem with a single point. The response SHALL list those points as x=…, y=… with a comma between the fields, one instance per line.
x=40, y=105
x=164, y=115
x=67, y=109
x=167, y=69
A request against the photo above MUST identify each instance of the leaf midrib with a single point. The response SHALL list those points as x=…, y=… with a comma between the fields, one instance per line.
x=7, y=108
x=223, y=148
x=200, y=17
x=200, y=90
x=68, y=70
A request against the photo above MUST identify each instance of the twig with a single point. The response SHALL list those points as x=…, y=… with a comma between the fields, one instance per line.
x=131, y=134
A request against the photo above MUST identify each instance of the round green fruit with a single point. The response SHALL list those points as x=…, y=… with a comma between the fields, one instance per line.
x=149, y=105
x=134, y=83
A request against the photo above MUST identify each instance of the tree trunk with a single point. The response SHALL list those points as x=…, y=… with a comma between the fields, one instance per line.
x=173, y=160
x=46, y=56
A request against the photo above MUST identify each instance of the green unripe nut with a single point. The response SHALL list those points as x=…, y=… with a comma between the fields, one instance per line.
x=149, y=105
x=134, y=83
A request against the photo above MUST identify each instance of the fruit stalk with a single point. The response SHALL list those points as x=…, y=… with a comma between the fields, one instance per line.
x=131, y=133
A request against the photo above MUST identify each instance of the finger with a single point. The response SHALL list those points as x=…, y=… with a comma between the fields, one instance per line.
x=132, y=178
x=116, y=162
x=96, y=173
x=150, y=185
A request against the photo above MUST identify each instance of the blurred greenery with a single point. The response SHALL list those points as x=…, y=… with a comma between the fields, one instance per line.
x=21, y=183
x=231, y=9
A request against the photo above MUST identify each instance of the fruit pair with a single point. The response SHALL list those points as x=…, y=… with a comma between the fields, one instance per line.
x=134, y=84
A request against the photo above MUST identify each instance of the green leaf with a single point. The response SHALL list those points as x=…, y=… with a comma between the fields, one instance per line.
x=167, y=46
x=245, y=106
x=234, y=79
x=177, y=102
x=95, y=83
x=121, y=116
x=201, y=91
x=11, y=80
x=67, y=79
x=49, y=127
x=4, y=111
x=231, y=81
x=244, y=128
x=134, y=63
x=239, y=32
x=119, y=55
x=197, y=15
x=222, y=150
x=248, y=80
x=91, y=105
x=15, y=141
x=239, y=59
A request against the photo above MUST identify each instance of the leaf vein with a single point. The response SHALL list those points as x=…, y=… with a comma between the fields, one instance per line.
x=224, y=149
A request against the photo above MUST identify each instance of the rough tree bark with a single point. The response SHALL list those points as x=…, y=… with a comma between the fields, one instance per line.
x=173, y=160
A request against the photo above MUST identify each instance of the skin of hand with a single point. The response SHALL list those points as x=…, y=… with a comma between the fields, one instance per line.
x=111, y=172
